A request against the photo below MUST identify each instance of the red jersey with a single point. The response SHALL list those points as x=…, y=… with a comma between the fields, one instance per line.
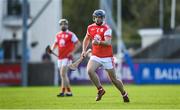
x=99, y=33
x=65, y=42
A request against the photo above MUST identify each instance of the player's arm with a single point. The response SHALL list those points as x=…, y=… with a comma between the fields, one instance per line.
x=76, y=47
x=106, y=42
x=49, y=49
x=76, y=42
x=86, y=42
x=54, y=46
x=107, y=37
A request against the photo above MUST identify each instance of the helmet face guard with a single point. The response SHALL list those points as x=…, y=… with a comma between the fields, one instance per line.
x=98, y=20
x=99, y=16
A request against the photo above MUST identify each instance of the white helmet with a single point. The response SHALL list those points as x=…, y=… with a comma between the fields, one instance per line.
x=63, y=20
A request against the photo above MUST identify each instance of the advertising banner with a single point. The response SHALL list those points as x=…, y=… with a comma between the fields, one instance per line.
x=80, y=76
x=157, y=73
x=10, y=74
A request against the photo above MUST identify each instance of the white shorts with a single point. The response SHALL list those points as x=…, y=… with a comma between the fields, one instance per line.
x=107, y=63
x=64, y=62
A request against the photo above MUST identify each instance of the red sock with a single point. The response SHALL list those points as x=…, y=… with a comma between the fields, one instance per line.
x=68, y=89
x=63, y=90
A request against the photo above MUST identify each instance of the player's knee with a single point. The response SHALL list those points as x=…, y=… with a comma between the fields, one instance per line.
x=113, y=79
x=63, y=75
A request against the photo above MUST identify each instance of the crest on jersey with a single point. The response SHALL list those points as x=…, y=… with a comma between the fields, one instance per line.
x=97, y=37
x=102, y=29
x=62, y=43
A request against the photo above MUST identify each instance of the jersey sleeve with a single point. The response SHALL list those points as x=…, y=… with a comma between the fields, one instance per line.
x=108, y=32
x=87, y=32
x=74, y=38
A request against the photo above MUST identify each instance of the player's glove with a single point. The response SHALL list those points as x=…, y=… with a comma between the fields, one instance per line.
x=48, y=49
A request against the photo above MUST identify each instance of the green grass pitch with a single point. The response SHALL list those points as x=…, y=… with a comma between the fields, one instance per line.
x=141, y=97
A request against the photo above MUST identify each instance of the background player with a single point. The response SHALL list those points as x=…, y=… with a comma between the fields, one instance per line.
x=67, y=44
x=102, y=55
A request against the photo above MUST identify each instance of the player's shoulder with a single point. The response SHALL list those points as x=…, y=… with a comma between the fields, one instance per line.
x=70, y=32
x=106, y=26
x=92, y=25
x=58, y=34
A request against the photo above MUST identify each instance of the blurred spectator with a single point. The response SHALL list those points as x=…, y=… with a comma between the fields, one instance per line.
x=46, y=57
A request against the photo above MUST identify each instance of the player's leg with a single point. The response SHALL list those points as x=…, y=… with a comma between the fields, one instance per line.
x=115, y=81
x=63, y=82
x=62, y=87
x=68, y=85
x=91, y=68
x=118, y=84
x=66, y=82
